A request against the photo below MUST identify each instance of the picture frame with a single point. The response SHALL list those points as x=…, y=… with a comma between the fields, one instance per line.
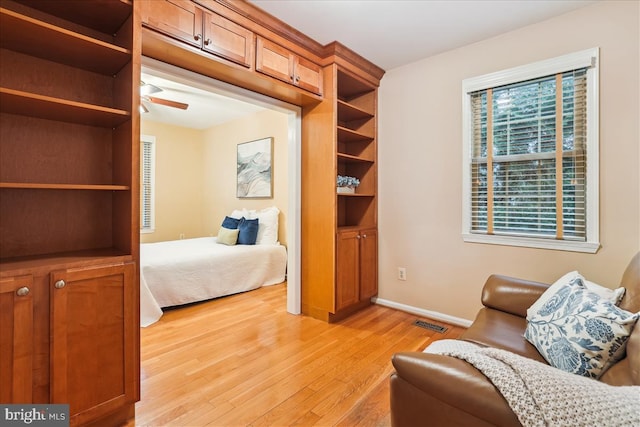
x=254, y=175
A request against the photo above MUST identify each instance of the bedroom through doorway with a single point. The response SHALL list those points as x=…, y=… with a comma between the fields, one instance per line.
x=196, y=123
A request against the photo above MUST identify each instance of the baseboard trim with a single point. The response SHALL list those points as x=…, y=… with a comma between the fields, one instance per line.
x=457, y=321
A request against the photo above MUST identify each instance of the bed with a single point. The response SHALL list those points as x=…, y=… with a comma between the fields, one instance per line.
x=190, y=270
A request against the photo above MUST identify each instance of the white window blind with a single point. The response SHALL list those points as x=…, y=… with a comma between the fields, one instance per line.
x=147, y=183
x=528, y=170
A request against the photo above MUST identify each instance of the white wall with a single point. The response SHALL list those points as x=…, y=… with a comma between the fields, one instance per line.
x=420, y=163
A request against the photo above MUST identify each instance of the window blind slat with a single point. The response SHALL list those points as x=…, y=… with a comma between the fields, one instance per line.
x=528, y=170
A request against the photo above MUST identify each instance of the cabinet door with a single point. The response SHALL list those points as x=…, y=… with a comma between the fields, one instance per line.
x=227, y=39
x=180, y=19
x=368, y=263
x=307, y=75
x=347, y=269
x=93, y=339
x=274, y=60
x=16, y=339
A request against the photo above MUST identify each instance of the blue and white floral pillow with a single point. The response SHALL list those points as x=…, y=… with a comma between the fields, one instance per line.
x=580, y=332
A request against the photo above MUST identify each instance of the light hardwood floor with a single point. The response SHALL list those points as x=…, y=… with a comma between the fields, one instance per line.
x=244, y=361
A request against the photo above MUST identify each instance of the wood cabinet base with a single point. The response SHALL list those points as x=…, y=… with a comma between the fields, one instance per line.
x=120, y=417
x=326, y=316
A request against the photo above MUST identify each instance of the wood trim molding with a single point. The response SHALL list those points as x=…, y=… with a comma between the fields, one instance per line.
x=338, y=50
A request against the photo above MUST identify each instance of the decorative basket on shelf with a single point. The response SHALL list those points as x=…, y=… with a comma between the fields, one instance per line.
x=347, y=184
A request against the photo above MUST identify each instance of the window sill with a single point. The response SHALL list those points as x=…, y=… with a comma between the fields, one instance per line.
x=528, y=242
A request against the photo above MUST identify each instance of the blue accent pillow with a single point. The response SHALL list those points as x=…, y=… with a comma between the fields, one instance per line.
x=230, y=223
x=248, y=231
x=580, y=332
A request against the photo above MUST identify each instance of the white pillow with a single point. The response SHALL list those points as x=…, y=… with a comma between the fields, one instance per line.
x=612, y=295
x=237, y=214
x=267, y=223
x=267, y=226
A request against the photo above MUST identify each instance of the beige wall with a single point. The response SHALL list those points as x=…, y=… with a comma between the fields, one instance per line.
x=178, y=181
x=220, y=173
x=420, y=163
x=196, y=175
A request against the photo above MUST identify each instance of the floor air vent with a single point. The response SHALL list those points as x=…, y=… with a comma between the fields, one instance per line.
x=432, y=326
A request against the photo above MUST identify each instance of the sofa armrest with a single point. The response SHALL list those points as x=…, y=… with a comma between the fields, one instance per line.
x=510, y=294
x=441, y=390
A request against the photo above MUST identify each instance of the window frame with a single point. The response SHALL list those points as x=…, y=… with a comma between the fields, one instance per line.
x=148, y=139
x=586, y=58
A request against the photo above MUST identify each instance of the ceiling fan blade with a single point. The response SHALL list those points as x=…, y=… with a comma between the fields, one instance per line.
x=167, y=102
x=148, y=89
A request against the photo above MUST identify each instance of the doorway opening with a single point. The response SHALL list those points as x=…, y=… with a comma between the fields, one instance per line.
x=220, y=91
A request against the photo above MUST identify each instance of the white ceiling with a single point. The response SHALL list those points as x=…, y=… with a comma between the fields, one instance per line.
x=392, y=33
x=389, y=33
x=206, y=108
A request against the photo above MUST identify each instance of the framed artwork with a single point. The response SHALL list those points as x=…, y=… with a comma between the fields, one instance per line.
x=255, y=169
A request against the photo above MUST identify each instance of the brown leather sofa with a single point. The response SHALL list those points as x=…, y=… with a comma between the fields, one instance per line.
x=438, y=390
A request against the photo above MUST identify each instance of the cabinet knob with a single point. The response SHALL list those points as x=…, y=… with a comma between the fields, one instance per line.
x=197, y=37
x=207, y=42
x=23, y=292
x=60, y=284
x=358, y=236
x=297, y=79
x=364, y=236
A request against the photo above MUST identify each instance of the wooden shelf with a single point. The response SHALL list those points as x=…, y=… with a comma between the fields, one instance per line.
x=43, y=40
x=113, y=13
x=347, y=158
x=351, y=87
x=348, y=112
x=356, y=194
x=348, y=135
x=42, y=186
x=75, y=258
x=50, y=108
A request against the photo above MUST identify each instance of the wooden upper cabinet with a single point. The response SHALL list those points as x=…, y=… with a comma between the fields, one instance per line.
x=307, y=75
x=93, y=342
x=16, y=339
x=201, y=28
x=227, y=39
x=277, y=61
x=274, y=60
x=180, y=19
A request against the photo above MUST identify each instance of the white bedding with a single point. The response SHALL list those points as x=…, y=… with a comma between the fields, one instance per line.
x=183, y=271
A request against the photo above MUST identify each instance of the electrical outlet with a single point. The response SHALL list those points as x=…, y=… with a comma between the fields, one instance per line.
x=181, y=236
x=402, y=273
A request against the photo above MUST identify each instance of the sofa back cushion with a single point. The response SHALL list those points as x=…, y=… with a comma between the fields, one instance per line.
x=631, y=281
x=627, y=371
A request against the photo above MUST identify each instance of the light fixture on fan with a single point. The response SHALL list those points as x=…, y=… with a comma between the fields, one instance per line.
x=147, y=89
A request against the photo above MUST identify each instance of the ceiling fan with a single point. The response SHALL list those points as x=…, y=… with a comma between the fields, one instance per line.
x=146, y=90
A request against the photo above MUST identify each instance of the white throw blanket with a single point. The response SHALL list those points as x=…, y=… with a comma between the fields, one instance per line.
x=541, y=395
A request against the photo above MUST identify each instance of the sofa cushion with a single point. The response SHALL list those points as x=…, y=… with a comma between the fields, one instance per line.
x=493, y=328
x=578, y=331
